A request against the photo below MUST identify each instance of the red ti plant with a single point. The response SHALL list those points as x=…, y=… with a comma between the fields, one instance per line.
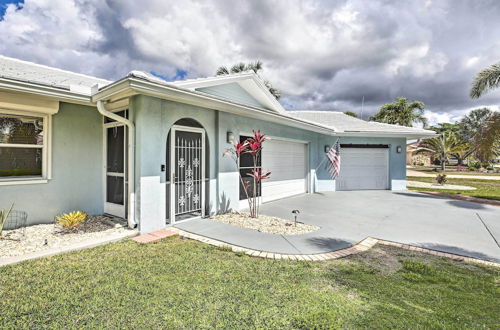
x=253, y=147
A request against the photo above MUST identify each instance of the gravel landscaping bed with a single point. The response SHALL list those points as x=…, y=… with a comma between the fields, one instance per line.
x=42, y=237
x=264, y=223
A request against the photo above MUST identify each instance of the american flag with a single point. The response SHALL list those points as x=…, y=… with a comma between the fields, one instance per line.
x=334, y=157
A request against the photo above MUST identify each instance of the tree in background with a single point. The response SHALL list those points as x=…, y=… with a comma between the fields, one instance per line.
x=487, y=138
x=401, y=113
x=458, y=147
x=255, y=67
x=350, y=113
x=444, y=147
x=473, y=122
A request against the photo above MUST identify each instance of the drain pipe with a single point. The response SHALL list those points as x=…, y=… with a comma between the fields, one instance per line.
x=131, y=154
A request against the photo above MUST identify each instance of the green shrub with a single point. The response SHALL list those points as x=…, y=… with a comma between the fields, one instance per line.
x=472, y=168
x=441, y=179
x=72, y=220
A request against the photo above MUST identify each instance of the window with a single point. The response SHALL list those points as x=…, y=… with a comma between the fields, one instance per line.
x=246, y=166
x=23, y=141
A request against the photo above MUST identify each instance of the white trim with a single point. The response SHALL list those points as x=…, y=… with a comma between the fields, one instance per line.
x=27, y=146
x=242, y=79
x=19, y=181
x=41, y=89
x=46, y=149
x=114, y=209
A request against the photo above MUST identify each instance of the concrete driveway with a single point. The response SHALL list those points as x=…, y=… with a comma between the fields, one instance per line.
x=347, y=217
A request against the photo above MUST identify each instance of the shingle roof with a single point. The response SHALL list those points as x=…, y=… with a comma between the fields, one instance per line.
x=15, y=69
x=341, y=122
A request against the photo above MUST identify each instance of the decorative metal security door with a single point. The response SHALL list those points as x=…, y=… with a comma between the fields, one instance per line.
x=187, y=173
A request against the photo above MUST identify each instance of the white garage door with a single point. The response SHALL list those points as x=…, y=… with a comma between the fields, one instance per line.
x=363, y=168
x=287, y=163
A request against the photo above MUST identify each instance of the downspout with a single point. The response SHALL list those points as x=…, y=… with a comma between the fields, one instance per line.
x=131, y=155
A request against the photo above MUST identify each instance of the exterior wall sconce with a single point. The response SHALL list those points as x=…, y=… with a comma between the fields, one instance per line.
x=230, y=137
x=327, y=148
x=399, y=149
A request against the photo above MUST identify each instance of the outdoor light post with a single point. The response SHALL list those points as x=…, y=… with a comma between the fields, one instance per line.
x=295, y=214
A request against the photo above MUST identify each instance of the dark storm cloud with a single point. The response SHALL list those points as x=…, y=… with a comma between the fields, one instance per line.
x=321, y=54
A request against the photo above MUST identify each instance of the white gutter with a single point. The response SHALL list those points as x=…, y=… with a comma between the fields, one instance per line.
x=131, y=164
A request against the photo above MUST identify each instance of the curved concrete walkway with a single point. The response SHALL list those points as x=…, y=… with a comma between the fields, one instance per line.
x=345, y=218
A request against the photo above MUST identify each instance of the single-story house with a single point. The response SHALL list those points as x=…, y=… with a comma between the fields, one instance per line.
x=415, y=156
x=151, y=151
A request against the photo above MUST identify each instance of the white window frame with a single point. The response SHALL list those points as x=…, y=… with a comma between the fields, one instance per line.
x=46, y=150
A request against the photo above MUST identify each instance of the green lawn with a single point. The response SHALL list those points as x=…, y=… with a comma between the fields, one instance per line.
x=185, y=284
x=489, y=189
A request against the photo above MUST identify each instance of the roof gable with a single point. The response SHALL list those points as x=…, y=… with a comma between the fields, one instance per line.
x=246, y=88
x=233, y=92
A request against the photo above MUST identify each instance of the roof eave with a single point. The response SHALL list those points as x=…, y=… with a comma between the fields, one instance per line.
x=43, y=90
x=132, y=86
x=410, y=135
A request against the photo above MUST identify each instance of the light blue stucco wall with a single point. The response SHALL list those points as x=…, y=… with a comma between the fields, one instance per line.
x=77, y=163
x=154, y=118
x=397, y=161
x=228, y=172
x=76, y=182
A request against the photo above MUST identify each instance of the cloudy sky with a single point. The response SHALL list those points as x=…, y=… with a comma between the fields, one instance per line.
x=324, y=55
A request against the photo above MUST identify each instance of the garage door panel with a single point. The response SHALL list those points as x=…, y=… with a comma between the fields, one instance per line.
x=281, y=189
x=363, y=169
x=287, y=163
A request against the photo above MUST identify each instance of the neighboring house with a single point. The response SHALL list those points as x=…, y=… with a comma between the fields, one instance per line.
x=151, y=151
x=420, y=158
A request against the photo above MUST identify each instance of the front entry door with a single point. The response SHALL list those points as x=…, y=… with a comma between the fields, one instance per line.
x=187, y=173
x=115, y=182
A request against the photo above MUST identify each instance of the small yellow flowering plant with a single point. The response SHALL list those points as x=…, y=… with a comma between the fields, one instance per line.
x=71, y=220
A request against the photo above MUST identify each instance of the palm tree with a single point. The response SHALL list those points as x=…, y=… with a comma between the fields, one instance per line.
x=473, y=123
x=455, y=136
x=401, y=113
x=486, y=80
x=350, y=113
x=443, y=147
x=487, y=140
x=255, y=67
